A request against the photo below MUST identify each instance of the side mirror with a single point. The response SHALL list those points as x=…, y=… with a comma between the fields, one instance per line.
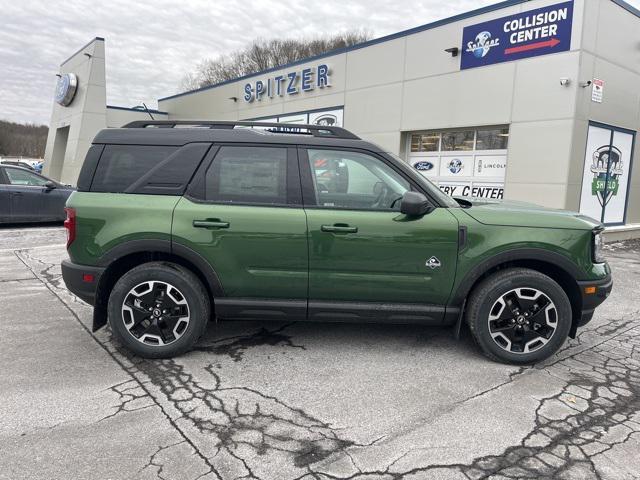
x=50, y=185
x=415, y=204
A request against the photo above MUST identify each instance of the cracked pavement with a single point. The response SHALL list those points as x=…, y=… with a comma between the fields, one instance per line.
x=305, y=401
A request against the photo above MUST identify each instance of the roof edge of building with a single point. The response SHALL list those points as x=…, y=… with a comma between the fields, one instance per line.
x=628, y=7
x=99, y=39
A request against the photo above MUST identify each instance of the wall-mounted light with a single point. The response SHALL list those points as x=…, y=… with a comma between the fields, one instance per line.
x=453, y=51
x=235, y=99
x=565, y=82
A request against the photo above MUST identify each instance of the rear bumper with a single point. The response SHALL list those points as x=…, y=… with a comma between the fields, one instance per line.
x=81, y=280
x=591, y=301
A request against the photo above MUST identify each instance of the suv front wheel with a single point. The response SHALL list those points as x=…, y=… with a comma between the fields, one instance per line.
x=158, y=309
x=519, y=316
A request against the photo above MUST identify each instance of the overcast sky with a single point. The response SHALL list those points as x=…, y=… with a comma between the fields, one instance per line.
x=151, y=44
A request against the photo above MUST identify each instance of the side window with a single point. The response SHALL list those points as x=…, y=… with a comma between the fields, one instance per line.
x=343, y=179
x=20, y=177
x=248, y=175
x=121, y=165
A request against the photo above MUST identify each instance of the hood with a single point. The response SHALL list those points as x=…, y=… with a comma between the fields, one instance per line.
x=523, y=214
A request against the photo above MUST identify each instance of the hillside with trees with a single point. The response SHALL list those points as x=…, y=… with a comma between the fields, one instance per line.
x=22, y=140
x=264, y=54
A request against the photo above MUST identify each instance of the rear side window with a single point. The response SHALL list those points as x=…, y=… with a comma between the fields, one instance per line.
x=89, y=168
x=147, y=169
x=248, y=175
x=121, y=165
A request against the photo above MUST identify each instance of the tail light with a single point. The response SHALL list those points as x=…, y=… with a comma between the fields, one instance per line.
x=70, y=225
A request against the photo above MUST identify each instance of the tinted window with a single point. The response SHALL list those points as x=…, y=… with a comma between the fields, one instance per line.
x=89, y=167
x=122, y=165
x=248, y=175
x=21, y=177
x=355, y=180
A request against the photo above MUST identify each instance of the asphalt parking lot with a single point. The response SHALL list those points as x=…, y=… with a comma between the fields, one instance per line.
x=302, y=401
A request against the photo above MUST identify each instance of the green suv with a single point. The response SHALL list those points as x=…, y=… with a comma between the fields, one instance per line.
x=178, y=223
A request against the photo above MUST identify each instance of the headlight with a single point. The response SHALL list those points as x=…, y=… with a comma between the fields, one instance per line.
x=598, y=244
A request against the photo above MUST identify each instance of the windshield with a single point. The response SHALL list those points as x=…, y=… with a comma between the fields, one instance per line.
x=433, y=190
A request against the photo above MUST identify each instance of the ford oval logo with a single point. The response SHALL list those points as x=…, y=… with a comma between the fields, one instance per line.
x=423, y=166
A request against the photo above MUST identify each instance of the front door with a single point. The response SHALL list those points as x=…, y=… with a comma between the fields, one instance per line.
x=5, y=198
x=366, y=259
x=249, y=224
x=26, y=193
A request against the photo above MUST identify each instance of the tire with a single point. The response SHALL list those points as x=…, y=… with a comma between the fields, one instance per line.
x=158, y=310
x=507, y=311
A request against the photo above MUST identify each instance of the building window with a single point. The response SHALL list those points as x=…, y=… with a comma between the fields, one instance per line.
x=493, y=138
x=481, y=138
x=455, y=141
x=425, y=142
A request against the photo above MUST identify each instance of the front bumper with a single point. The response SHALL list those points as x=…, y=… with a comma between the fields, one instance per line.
x=81, y=280
x=590, y=301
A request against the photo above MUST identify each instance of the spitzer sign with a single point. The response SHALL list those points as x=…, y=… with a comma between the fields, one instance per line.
x=527, y=34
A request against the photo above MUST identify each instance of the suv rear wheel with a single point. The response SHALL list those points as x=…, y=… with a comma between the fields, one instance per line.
x=519, y=316
x=158, y=309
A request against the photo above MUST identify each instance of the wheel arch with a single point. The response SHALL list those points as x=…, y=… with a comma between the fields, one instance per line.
x=126, y=256
x=552, y=264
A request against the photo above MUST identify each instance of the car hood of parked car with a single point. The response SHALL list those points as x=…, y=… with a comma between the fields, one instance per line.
x=523, y=214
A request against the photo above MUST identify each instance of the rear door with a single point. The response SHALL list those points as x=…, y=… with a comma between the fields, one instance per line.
x=366, y=259
x=244, y=215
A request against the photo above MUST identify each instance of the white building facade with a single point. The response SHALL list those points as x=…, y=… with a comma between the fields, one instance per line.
x=525, y=100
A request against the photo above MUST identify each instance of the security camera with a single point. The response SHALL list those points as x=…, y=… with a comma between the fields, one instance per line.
x=564, y=81
x=585, y=84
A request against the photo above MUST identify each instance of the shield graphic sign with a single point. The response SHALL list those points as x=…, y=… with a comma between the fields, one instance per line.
x=607, y=167
x=605, y=180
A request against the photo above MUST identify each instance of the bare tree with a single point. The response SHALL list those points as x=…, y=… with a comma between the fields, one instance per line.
x=26, y=140
x=263, y=54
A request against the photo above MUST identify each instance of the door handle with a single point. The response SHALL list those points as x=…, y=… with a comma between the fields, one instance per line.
x=210, y=223
x=339, y=228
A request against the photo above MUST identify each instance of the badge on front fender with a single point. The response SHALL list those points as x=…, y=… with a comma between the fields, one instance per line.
x=433, y=263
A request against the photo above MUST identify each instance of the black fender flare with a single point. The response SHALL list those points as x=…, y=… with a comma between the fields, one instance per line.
x=156, y=246
x=537, y=254
x=133, y=246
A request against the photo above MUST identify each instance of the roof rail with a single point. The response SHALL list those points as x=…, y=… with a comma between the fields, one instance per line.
x=315, y=130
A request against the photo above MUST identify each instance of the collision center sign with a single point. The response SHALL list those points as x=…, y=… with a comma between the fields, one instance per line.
x=527, y=34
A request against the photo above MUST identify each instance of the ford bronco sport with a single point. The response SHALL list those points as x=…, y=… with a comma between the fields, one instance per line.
x=177, y=223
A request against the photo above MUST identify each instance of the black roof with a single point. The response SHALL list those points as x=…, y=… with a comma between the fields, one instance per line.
x=170, y=133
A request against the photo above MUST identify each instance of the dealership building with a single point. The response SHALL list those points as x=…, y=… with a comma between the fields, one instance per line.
x=535, y=100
